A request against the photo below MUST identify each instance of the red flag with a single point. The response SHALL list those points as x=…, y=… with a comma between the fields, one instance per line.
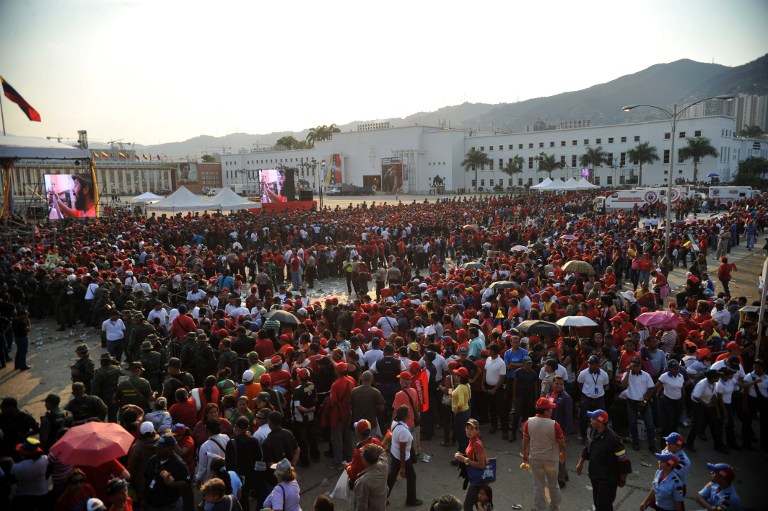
x=137, y=157
x=14, y=96
x=158, y=156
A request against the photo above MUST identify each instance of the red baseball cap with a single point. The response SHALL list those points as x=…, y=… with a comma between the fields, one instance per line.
x=405, y=375
x=543, y=403
x=462, y=372
x=265, y=379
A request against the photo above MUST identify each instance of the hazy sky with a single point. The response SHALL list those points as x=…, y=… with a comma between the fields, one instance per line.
x=154, y=71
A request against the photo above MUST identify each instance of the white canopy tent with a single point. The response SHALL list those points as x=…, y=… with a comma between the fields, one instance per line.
x=585, y=185
x=542, y=185
x=231, y=201
x=571, y=184
x=183, y=200
x=146, y=197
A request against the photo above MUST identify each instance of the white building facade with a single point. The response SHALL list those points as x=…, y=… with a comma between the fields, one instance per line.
x=414, y=158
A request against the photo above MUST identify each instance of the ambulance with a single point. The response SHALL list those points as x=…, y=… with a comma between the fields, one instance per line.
x=722, y=195
x=628, y=199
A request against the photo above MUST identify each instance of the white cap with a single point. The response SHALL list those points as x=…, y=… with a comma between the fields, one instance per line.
x=146, y=427
x=248, y=375
x=95, y=505
x=129, y=273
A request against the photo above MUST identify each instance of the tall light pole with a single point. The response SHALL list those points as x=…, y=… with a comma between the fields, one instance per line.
x=673, y=117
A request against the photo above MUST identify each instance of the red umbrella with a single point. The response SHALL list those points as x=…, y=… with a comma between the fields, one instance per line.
x=659, y=319
x=92, y=444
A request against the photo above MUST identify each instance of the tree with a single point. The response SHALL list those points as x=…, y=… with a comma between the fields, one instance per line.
x=320, y=133
x=474, y=159
x=514, y=165
x=697, y=148
x=643, y=153
x=547, y=163
x=287, y=143
x=752, y=173
x=751, y=131
x=594, y=157
x=207, y=158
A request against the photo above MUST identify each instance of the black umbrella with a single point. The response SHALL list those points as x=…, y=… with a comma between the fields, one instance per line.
x=537, y=327
x=503, y=284
x=284, y=317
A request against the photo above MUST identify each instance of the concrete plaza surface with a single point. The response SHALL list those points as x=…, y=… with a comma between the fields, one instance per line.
x=52, y=352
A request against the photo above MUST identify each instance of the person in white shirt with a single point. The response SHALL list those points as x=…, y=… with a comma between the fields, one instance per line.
x=669, y=390
x=195, y=294
x=639, y=386
x=113, y=330
x=130, y=280
x=593, y=382
x=493, y=385
x=756, y=385
x=262, y=420
x=158, y=312
x=216, y=445
x=401, y=464
x=387, y=323
x=725, y=396
x=704, y=398
x=720, y=314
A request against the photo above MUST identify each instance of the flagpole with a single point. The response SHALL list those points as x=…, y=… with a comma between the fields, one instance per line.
x=2, y=114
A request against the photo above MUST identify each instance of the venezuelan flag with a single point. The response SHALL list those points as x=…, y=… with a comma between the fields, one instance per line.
x=621, y=455
x=145, y=156
x=95, y=155
x=14, y=96
x=122, y=156
x=105, y=155
x=136, y=156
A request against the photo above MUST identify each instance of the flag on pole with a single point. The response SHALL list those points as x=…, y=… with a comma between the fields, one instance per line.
x=95, y=155
x=95, y=188
x=122, y=156
x=14, y=96
x=137, y=157
x=105, y=155
x=7, y=210
x=145, y=156
x=158, y=157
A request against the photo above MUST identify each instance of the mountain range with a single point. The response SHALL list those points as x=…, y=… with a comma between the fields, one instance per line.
x=679, y=82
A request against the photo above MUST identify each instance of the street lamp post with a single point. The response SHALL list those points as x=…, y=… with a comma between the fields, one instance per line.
x=673, y=117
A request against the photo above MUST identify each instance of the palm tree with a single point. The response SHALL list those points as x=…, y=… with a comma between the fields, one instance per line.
x=547, y=163
x=594, y=157
x=644, y=152
x=752, y=131
x=287, y=142
x=320, y=133
x=697, y=148
x=474, y=159
x=514, y=165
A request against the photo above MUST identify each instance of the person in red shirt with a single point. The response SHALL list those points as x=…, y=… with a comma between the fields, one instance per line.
x=182, y=324
x=620, y=331
x=184, y=410
x=76, y=492
x=357, y=465
x=339, y=407
x=99, y=476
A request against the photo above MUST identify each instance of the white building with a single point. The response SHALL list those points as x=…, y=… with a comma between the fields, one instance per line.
x=411, y=157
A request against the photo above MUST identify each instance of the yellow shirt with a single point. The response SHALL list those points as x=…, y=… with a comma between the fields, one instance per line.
x=460, y=398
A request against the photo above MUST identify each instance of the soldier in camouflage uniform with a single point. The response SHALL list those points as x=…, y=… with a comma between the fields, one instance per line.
x=139, y=332
x=105, y=383
x=83, y=369
x=205, y=360
x=124, y=297
x=227, y=357
x=150, y=360
x=134, y=390
x=188, y=352
x=176, y=379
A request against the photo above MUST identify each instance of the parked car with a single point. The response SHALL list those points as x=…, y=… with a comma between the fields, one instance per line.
x=213, y=191
x=333, y=190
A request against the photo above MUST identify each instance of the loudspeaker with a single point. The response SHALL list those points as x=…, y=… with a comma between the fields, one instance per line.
x=306, y=195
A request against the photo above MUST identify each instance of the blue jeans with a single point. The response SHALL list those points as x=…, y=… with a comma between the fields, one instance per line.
x=459, y=421
x=647, y=416
x=750, y=241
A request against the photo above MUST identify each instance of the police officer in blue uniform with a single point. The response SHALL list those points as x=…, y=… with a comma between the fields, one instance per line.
x=719, y=494
x=667, y=491
x=675, y=442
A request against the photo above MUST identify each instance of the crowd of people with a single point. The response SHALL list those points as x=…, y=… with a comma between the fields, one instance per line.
x=231, y=372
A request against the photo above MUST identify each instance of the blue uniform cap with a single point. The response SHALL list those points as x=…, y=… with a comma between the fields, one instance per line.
x=668, y=458
x=674, y=439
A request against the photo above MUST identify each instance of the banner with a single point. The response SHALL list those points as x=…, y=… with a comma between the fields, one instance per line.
x=186, y=173
x=391, y=174
x=332, y=172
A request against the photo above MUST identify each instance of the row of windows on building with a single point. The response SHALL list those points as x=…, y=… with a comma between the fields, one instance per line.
x=598, y=141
